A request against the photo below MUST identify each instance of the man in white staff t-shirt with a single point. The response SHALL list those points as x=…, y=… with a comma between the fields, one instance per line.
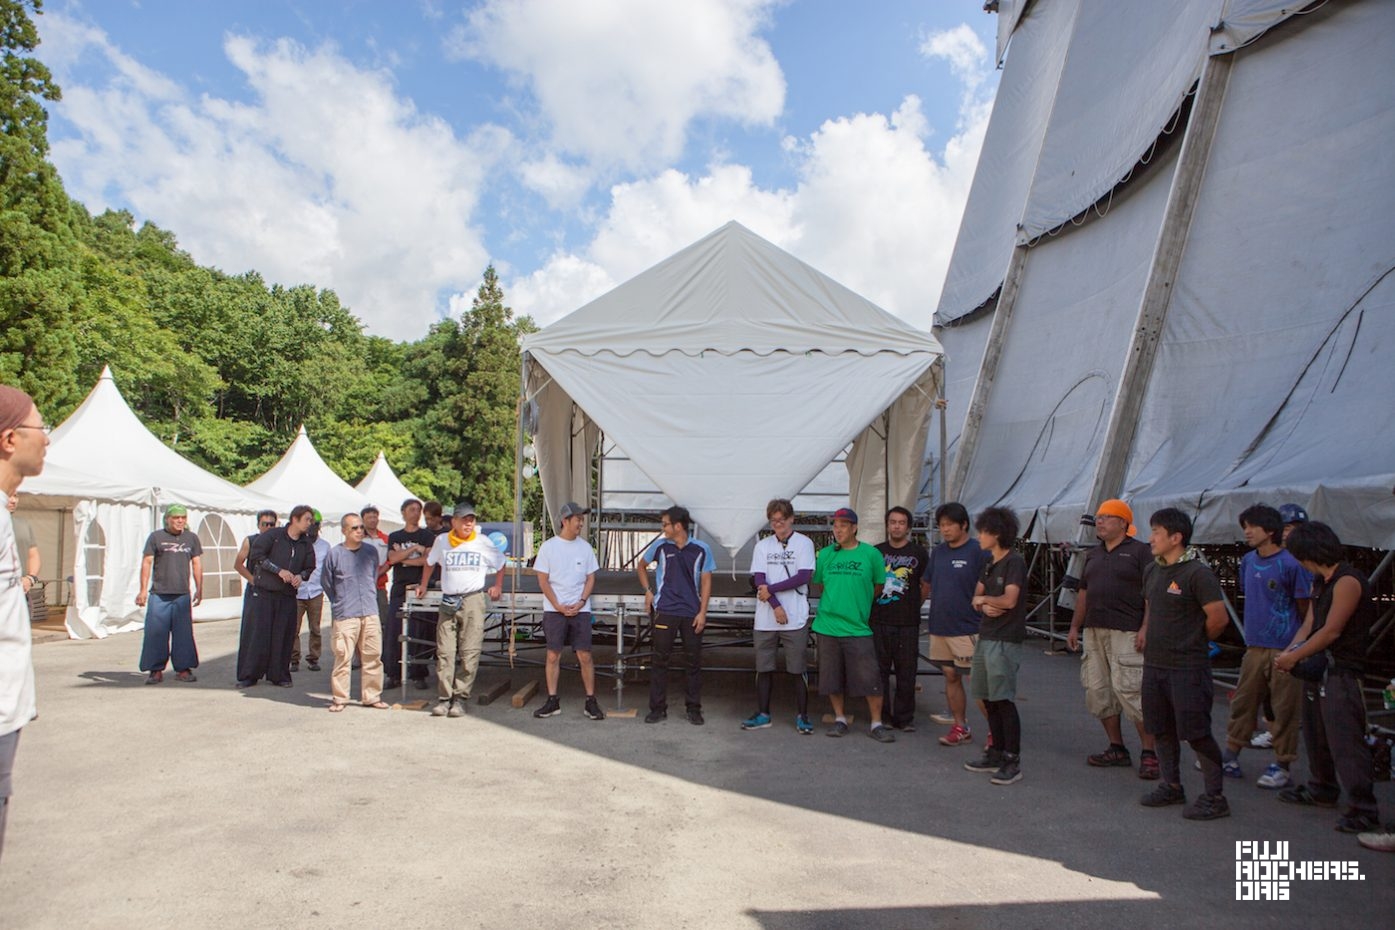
x=781, y=567
x=566, y=568
x=466, y=557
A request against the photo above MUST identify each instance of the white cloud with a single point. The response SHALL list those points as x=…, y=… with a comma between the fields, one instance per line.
x=327, y=177
x=965, y=52
x=617, y=82
x=873, y=208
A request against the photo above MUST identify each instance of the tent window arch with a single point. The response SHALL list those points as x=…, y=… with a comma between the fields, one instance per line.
x=219, y=551
x=94, y=551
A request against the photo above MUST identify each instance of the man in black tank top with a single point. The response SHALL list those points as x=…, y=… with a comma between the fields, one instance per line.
x=1334, y=711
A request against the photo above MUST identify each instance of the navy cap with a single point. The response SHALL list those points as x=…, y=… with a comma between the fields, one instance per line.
x=845, y=513
x=1292, y=513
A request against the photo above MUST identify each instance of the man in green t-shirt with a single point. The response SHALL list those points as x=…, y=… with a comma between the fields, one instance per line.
x=852, y=574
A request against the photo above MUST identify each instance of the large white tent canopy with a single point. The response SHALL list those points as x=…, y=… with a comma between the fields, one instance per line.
x=302, y=477
x=105, y=482
x=1243, y=243
x=729, y=374
x=385, y=490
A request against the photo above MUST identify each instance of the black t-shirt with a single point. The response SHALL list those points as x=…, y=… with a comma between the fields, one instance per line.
x=403, y=575
x=1349, y=650
x=1177, y=595
x=898, y=603
x=173, y=555
x=1011, y=627
x=1114, y=582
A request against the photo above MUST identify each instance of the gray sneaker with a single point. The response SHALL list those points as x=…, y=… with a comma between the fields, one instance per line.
x=441, y=709
x=837, y=728
x=1208, y=807
x=457, y=708
x=882, y=734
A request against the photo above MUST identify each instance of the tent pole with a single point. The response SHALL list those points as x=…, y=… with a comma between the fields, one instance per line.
x=1157, y=292
x=517, y=503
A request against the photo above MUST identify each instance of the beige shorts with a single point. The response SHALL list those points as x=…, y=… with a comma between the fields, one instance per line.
x=1112, y=674
x=953, y=650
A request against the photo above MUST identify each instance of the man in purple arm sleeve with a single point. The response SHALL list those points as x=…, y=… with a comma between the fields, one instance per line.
x=781, y=567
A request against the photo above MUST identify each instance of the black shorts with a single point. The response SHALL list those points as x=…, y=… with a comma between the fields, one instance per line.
x=562, y=631
x=1177, y=701
x=848, y=666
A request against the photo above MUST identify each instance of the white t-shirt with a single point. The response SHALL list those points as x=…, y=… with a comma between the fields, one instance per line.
x=567, y=564
x=17, y=706
x=468, y=567
x=780, y=561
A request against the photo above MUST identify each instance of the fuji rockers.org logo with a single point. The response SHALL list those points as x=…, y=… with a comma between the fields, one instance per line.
x=1264, y=872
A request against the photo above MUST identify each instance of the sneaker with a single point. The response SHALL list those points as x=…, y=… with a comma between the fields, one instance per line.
x=295, y=666
x=837, y=728
x=943, y=720
x=186, y=676
x=243, y=683
x=1357, y=822
x=656, y=716
x=756, y=721
x=312, y=665
x=390, y=683
x=155, y=678
x=802, y=724
x=1275, y=776
x=957, y=736
x=1380, y=842
x=1113, y=756
x=592, y=710
x=1208, y=807
x=1299, y=794
x=420, y=684
x=1231, y=769
x=907, y=727
x=457, y=708
x=441, y=709
x=990, y=761
x=551, y=707
x=1164, y=795
x=695, y=716
x=1148, y=768
x=1009, y=772
x=1263, y=740
x=882, y=734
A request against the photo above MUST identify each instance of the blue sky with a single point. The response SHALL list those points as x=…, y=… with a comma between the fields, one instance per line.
x=392, y=150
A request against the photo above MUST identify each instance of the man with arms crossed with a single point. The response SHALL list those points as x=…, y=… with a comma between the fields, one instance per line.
x=781, y=567
x=566, y=567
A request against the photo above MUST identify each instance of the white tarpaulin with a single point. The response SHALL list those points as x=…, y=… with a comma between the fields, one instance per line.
x=385, y=490
x=731, y=373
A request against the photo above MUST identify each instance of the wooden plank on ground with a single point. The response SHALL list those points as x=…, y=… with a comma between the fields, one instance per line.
x=410, y=705
x=524, y=694
x=495, y=691
x=626, y=712
x=829, y=718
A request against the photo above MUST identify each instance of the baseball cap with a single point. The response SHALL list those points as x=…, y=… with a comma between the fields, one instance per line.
x=463, y=509
x=572, y=509
x=845, y=513
x=176, y=510
x=1292, y=513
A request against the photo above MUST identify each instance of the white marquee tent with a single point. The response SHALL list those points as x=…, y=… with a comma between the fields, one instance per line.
x=302, y=477
x=1173, y=280
x=728, y=374
x=105, y=482
x=383, y=488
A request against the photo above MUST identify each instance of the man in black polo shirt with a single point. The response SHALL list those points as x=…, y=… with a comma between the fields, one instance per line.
x=1109, y=609
x=896, y=618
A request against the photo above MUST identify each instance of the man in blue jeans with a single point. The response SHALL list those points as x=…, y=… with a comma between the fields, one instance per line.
x=170, y=555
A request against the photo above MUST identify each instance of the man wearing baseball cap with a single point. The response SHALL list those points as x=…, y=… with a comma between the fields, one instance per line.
x=852, y=574
x=171, y=554
x=23, y=443
x=1292, y=515
x=1109, y=614
x=467, y=557
x=566, y=567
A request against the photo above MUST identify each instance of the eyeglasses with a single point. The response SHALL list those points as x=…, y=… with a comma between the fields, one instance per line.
x=357, y=527
x=265, y=525
x=43, y=428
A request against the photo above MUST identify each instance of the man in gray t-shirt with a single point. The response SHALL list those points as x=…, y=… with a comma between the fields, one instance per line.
x=171, y=555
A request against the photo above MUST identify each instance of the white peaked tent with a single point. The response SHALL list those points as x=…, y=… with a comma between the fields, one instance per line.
x=302, y=477
x=729, y=374
x=1175, y=277
x=382, y=487
x=106, y=480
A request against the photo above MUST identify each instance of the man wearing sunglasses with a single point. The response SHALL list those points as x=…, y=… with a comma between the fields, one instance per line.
x=349, y=577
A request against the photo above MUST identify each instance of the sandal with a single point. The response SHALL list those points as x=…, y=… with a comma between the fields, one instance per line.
x=336, y=708
x=380, y=705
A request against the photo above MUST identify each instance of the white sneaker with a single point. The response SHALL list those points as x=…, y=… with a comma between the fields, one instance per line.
x=1263, y=740
x=1381, y=842
x=1276, y=776
x=945, y=719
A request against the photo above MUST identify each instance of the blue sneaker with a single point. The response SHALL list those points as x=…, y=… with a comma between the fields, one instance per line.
x=1231, y=769
x=802, y=724
x=1275, y=776
x=756, y=722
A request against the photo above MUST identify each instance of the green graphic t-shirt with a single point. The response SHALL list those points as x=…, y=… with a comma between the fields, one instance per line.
x=851, y=578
